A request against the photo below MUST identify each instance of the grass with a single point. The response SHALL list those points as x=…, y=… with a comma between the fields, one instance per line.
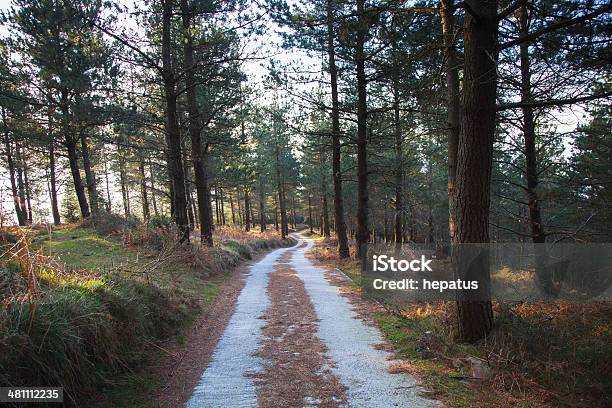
x=82, y=309
x=555, y=354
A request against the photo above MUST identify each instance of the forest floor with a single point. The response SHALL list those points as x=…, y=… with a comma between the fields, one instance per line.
x=537, y=355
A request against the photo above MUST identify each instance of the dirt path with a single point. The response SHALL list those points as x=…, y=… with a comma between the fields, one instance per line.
x=294, y=341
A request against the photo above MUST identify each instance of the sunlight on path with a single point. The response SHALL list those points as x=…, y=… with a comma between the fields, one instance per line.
x=224, y=383
x=361, y=367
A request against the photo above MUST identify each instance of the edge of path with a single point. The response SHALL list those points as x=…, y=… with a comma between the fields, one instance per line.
x=180, y=368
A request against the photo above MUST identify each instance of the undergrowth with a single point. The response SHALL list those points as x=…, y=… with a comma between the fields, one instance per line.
x=554, y=354
x=81, y=305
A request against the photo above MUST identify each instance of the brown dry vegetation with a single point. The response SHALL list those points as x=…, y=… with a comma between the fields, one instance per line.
x=84, y=306
x=537, y=355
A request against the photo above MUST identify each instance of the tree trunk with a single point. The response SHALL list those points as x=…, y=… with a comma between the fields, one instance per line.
x=232, y=208
x=325, y=212
x=195, y=131
x=108, y=196
x=474, y=162
x=124, y=189
x=363, y=229
x=399, y=163
x=222, y=199
x=453, y=106
x=310, y=213
x=21, y=218
x=28, y=191
x=538, y=234
x=281, y=198
x=90, y=177
x=262, y=209
x=343, y=248
x=247, y=210
x=293, y=212
x=153, y=192
x=73, y=160
x=173, y=137
x=276, y=212
x=143, y=191
x=52, y=175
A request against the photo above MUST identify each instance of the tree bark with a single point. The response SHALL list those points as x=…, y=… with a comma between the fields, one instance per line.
x=173, y=137
x=90, y=177
x=143, y=191
x=343, y=248
x=453, y=106
x=538, y=234
x=281, y=197
x=73, y=160
x=399, y=164
x=52, y=174
x=21, y=218
x=474, y=162
x=363, y=229
x=153, y=191
x=124, y=188
x=262, y=208
x=108, y=196
x=247, y=210
x=232, y=208
x=195, y=131
x=310, y=213
x=27, y=190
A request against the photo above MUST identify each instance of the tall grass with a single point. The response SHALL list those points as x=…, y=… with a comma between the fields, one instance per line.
x=74, y=329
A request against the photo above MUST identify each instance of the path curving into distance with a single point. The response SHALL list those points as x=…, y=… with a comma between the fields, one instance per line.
x=234, y=376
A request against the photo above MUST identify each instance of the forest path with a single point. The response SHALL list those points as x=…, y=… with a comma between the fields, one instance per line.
x=294, y=335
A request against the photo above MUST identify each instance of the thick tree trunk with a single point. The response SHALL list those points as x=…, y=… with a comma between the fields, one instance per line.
x=21, y=218
x=90, y=177
x=173, y=137
x=195, y=131
x=453, y=106
x=474, y=162
x=343, y=248
x=363, y=229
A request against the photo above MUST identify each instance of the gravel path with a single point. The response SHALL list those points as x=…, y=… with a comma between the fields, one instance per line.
x=350, y=345
x=224, y=383
x=360, y=366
